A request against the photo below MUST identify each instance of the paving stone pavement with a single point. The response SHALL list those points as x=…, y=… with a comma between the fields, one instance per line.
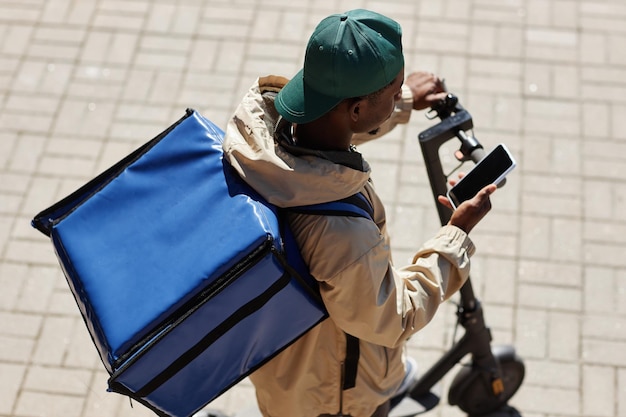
x=84, y=82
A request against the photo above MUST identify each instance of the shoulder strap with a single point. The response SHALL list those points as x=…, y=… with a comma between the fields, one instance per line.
x=354, y=206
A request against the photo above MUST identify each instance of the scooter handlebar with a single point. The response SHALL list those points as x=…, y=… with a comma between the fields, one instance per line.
x=477, y=154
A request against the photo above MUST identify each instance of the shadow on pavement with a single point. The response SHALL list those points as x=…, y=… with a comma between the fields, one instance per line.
x=506, y=411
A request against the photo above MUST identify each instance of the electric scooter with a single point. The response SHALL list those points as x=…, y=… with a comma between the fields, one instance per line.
x=494, y=373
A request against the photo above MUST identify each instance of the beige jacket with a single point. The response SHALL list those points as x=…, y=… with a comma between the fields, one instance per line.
x=365, y=294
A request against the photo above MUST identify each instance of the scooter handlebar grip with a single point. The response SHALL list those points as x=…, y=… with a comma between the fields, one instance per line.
x=478, y=154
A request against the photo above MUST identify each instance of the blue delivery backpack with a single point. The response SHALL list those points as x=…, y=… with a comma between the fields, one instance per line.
x=187, y=280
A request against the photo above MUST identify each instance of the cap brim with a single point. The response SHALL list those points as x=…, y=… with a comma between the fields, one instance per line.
x=299, y=103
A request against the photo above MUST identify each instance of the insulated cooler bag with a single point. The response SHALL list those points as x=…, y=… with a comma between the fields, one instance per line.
x=180, y=271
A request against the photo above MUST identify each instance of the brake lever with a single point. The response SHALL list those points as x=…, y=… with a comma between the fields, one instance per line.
x=444, y=108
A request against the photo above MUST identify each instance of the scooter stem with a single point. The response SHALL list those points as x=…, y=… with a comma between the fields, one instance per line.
x=455, y=120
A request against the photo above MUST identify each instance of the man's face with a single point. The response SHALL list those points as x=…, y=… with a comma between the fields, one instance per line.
x=378, y=107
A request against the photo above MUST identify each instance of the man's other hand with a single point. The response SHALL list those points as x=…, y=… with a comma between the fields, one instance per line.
x=426, y=87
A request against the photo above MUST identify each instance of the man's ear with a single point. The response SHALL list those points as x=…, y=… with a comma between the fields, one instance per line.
x=355, y=110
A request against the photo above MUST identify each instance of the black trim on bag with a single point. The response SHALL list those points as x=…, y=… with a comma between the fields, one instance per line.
x=225, y=326
x=186, y=358
x=196, y=302
x=117, y=387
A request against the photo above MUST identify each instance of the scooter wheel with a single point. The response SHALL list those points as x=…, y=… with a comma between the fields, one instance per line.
x=472, y=394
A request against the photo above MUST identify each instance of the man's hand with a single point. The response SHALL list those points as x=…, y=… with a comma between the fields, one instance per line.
x=426, y=87
x=470, y=212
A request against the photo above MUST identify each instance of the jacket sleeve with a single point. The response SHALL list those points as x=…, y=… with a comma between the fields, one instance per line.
x=365, y=295
x=400, y=115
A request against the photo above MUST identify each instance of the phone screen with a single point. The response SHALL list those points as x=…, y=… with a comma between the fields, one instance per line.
x=490, y=170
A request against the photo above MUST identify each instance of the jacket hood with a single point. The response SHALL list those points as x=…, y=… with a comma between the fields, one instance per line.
x=256, y=144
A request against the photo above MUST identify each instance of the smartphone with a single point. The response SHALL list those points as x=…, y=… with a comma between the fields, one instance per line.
x=490, y=170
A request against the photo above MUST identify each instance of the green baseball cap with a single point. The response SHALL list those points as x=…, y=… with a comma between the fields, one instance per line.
x=348, y=55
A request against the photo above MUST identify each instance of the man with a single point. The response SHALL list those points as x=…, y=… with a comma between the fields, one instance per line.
x=292, y=142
